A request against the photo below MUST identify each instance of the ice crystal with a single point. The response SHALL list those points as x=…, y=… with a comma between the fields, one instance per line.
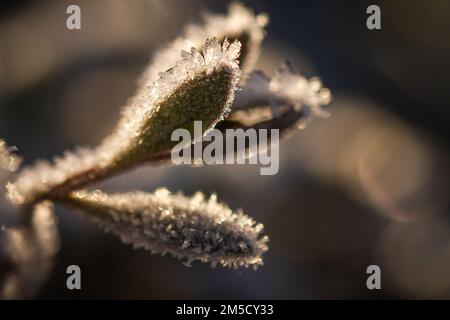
x=239, y=24
x=200, y=86
x=190, y=228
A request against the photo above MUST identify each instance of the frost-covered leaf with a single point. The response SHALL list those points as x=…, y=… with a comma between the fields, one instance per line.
x=200, y=86
x=27, y=252
x=285, y=89
x=239, y=24
x=187, y=228
x=299, y=91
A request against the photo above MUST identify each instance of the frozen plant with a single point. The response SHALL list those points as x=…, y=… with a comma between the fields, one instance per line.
x=196, y=77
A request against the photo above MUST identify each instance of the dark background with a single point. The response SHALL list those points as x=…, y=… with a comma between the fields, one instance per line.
x=369, y=185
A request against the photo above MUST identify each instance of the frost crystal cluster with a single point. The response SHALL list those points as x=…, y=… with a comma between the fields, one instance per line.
x=239, y=24
x=193, y=78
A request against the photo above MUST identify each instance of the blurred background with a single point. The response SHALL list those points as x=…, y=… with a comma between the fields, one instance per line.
x=369, y=185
